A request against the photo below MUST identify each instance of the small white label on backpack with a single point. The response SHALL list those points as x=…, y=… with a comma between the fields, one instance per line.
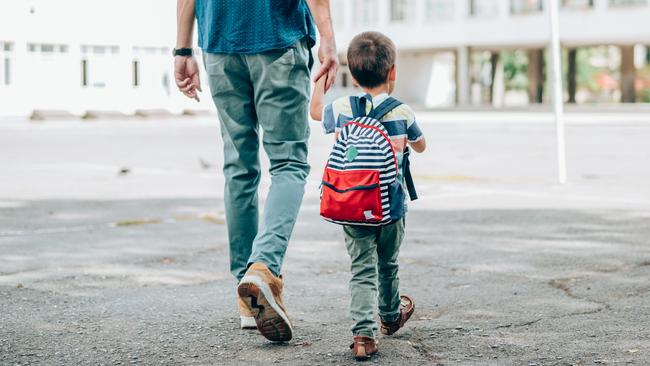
x=368, y=214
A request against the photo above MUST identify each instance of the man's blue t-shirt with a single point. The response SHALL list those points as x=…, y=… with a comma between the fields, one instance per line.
x=252, y=26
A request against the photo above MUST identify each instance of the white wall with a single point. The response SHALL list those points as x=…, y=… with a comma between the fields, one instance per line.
x=52, y=80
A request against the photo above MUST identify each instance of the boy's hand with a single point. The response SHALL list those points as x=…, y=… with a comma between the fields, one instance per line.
x=319, y=84
x=186, y=71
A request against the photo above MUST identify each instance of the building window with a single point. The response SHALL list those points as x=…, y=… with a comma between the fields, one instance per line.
x=136, y=73
x=5, y=62
x=399, y=10
x=525, y=6
x=100, y=49
x=84, y=72
x=578, y=4
x=622, y=3
x=439, y=10
x=47, y=48
x=165, y=51
x=7, y=71
x=483, y=8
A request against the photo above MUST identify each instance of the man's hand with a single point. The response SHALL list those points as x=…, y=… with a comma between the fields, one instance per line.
x=329, y=61
x=186, y=71
x=320, y=10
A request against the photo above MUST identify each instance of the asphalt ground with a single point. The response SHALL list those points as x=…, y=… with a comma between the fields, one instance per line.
x=113, y=249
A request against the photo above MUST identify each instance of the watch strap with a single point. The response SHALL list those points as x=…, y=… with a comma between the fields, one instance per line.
x=182, y=52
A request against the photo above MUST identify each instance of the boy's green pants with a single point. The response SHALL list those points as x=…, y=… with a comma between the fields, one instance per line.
x=268, y=90
x=373, y=253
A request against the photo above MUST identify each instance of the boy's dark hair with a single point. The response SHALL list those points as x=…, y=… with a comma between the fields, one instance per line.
x=371, y=55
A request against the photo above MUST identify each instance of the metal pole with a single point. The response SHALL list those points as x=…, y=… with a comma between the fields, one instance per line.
x=558, y=95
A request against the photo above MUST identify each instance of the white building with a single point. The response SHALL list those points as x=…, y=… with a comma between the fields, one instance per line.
x=88, y=55
x=439, y=41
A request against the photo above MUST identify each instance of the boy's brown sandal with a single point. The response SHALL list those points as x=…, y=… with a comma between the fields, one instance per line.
x=363, y=347
x=406, y=309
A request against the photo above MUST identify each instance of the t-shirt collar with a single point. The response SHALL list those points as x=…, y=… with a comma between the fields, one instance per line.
x=377, y=99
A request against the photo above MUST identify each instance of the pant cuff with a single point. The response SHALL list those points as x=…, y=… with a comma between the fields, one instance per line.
x=364, y=333
x=389, y=318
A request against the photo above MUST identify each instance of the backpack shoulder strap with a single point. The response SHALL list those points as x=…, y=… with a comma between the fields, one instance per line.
x=408, y=178
x=384, y=108
x=358, y=105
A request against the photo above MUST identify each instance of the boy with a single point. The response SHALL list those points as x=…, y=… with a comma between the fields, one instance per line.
x=373, y=250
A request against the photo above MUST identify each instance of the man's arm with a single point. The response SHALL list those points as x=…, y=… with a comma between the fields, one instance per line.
x=320, y=10
x=186, y=68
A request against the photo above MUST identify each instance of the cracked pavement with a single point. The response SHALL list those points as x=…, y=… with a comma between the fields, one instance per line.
x=113, y=250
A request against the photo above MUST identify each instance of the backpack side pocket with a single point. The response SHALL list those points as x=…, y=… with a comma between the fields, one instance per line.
x=397, y=197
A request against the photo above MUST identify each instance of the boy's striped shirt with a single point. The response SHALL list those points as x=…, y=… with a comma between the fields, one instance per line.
x=400, y=123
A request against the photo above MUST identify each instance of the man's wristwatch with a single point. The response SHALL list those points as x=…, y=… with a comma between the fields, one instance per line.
x=182, y=52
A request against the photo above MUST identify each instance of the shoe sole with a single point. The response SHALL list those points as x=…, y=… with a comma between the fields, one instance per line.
x=247, y=322
x=271, y=320
x=364, y=358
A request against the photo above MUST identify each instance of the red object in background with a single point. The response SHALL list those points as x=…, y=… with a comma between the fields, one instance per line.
x=642, y=84
x=606, y=81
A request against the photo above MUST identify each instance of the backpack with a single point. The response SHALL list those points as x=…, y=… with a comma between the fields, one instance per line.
x=361, y=183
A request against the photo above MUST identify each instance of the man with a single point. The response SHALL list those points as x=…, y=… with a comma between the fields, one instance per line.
x=257, y=57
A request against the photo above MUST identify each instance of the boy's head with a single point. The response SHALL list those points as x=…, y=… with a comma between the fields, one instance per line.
x=371, y=59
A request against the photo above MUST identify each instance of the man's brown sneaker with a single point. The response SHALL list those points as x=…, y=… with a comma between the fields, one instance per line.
x=406, y=309
x=247, y=321
x=261, y=292
x=363, y=348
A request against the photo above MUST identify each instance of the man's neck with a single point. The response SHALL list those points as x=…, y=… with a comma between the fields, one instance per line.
x=383, y=88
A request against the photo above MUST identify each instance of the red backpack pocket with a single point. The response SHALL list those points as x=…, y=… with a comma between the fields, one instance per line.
x=351, y=196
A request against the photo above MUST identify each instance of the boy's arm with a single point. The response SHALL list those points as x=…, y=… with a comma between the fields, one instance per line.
x=419, y=145
x=415, y=136
x=316, y=105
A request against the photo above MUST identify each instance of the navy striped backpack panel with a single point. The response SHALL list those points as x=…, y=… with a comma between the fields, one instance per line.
x=361, y=184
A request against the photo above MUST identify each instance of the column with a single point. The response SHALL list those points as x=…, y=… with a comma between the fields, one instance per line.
x=503, y=8
x=383, y=12
x=497, y=83
x=572, y=74
x=535, y=75
x=601, y=6
x=417, y=11
x=628, y=75
x=462, y=76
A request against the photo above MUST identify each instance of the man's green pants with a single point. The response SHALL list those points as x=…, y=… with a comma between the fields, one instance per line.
x=268, y=90
x=373, y=252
